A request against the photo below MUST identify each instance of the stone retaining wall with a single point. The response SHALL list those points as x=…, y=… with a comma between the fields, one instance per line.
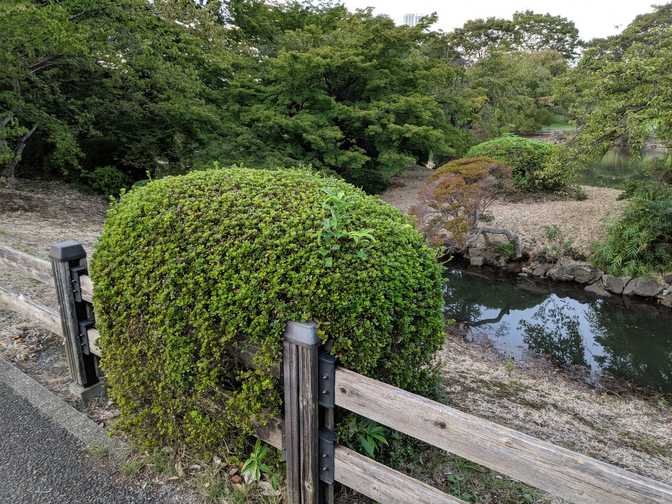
x=595, y=280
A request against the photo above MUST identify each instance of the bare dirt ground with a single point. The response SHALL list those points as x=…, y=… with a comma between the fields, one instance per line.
x=618, y=426
x=624, y=428
x=581, y=222
x=38, y=215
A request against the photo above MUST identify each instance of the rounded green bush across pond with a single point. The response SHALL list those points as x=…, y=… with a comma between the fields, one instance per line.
x=529, y=159
x=193, y=271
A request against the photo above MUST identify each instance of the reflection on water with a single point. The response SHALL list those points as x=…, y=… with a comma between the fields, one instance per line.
x=567, y=325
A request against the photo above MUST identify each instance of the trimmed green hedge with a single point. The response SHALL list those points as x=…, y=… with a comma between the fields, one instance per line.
x=529, y=160
x=192, y=271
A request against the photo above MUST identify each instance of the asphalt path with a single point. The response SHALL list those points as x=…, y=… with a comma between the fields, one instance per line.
x=40, y=462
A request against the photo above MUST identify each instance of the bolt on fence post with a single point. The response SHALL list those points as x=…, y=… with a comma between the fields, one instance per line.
x=300, y=370
x=68, y=262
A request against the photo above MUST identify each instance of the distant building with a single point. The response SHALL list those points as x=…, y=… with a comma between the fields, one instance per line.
x=411, y=19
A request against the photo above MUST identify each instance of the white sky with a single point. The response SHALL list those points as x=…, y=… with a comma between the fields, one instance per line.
x=593, y=18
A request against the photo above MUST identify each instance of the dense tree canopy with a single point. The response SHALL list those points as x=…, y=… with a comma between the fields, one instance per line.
x=138, y=85
x=171, y=85
x=512, y=91
x=109, y=82
x=619, y=93
x=526, y=31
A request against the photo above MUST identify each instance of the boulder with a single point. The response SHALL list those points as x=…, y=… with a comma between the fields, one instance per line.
x=563, y=271
x=476, y=260
x=644, y=287
x=513, y=267
x=667, y=278
x=598, y=289
x=585, y=273
x=665, y=298
x=615, y=284
x=540, y=270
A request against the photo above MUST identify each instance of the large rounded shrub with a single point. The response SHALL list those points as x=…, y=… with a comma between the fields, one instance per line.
x=529, y=160
x=192, y=272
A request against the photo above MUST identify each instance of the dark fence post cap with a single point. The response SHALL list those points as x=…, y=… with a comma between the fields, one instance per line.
x=67, y=250
x=302, y=333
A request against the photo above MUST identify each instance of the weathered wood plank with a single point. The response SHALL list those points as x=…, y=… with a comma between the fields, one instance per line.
x=42, y=315
x=87, y=288
x=383, y=484
x=39, y=269
x=370, y=478
x=309, y=416
x=93, y=335
x=559, y=471
x=292, y=422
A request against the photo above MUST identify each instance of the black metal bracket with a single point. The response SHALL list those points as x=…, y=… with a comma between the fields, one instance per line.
x=75, y=273
x=84, y=326
x=327, y=380
x=327, y=454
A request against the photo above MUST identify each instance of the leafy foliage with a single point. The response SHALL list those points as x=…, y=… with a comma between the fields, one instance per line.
x=511, y=92
x=364, y=100
x=191, y=272
x=528, y=159
x=256, y=465
x=107, y=180
x=640, y=241
x=526, y=32
x=365, y=434
x=147, y=85
x=458, y=196
x=616, y=92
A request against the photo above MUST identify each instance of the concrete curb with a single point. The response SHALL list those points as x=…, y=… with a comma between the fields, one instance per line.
x=80, y=426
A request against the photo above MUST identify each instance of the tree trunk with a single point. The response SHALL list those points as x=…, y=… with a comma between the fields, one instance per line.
x=10, y=171
x=512, y=237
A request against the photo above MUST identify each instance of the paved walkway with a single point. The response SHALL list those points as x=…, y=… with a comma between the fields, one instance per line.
x=43, y=456
x=41, y=462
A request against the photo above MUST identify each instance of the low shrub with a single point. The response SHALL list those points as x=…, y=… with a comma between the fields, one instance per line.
x=106, y=180
x=455, y=201
x=192, y=272
x=640, y=240
x=530, y=161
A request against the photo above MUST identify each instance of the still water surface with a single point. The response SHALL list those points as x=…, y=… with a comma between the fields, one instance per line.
x=521, y=317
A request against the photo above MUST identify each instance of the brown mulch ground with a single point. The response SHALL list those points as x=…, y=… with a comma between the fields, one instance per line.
x=581, y=222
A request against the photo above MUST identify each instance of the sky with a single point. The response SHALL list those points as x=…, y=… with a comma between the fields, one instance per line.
x=593, y=18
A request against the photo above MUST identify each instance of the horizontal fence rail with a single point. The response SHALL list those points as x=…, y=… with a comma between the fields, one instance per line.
x=19, y=303
x=561, y=472
x=39, y=269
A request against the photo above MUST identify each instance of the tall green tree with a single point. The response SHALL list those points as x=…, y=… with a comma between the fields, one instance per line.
x=512, y=91
x=111, y=82
x=619, y=92
x=361, y=98
x=526, y=31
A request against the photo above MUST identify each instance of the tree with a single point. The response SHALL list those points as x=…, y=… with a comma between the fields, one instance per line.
x=362, y=99
x=457, y=198
x=526, y=31
x=617, y=93
x=136, y=85
x=512, y=91
x=111, y=82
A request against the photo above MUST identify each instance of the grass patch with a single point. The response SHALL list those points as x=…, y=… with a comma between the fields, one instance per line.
x=98, y=451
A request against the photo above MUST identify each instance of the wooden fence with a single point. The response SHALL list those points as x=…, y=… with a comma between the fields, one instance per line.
x=314, y=386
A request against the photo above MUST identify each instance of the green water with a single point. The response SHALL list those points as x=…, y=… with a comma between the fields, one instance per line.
x=522, y=319
x=615, y=170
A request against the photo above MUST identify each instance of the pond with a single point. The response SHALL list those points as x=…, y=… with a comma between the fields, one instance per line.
x=616, y=169
x=521, y=318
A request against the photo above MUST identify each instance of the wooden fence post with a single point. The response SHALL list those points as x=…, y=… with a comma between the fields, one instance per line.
x=300, y=370
x=68, y=262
